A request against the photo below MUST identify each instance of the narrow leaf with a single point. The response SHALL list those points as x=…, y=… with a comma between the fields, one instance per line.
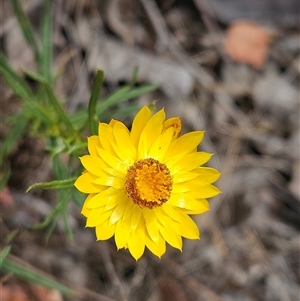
x=46, y=57
x=26, y=28
x=134, y=76
x=17, y=84
x=4, y=254
x=60, y=112
x=56, y=211
x=54, y=101
x=93, y=120
x=61, y=184
x=11, y=139
x=30, y=275
x=124, y=94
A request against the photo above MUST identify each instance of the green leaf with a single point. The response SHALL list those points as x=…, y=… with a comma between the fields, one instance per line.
x=93, y=119
x=134, y=76
x=35, y=76
x=60, y=169
x=129, y=111
x=56, y=211
x=59, y=184
x=60, y=112
x=26, y=28
x=67, y=226
x=39, y=113
x=46, y=57
x=22, y=272
x=12, y=138
x=121, y=95
x=124, y=94
x=6, y=172
x=17, y=84
x=152, y=106
x=53, y=100
x=113, y=99
x=4, y=254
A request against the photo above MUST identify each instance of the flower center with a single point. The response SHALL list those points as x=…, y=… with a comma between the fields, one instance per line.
x=148, y=183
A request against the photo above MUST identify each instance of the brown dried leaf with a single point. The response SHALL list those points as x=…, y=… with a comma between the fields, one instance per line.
x=6, y=197
x=21, y=291
x=248, y=42
x=13, y=292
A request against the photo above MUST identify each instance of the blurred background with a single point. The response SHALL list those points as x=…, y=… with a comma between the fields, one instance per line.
x=228, y=67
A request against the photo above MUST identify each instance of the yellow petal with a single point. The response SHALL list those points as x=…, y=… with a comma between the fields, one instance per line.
x=191, y=161
x=112, y=161
x=85, y=185
x=186, y=143
x=151, y=224
x=208, y=174
x=168, y=233
x=157, y=248
x=85, y=211
x=135, y=217
x=118, y=212
x=105, y=231
x=175, y=124
x=106, y=136
x=150, y=133
x=93, y=143
x=97, y=217
x=93, y=165
x=193, y=212
x=207, y=191
x=171, y=161
x=123, y=231
x=114, y=182
x=196, y=185
x=188, y=227
x=115, y=198
x=129, y=209
x=168, y=210
x=124, y=147
x=124, y=155
x=113, y=122
x=184, y=176
x=138, y=124
x=98, y=167
x=161, y=145
x=99, y=199
x=136, y=243
x=184, y=200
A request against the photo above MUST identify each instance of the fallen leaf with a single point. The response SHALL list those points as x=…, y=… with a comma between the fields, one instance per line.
x=20, y=291
x=248, y=42
x=6, y=197
x=12, y=292
x=46, y=294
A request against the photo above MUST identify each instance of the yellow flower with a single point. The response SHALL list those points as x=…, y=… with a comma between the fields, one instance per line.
x=143, y=184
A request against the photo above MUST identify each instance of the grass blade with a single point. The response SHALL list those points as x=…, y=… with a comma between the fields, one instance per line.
x=4, y=254
x=93, y=119
x=60, y=112
x=46, y=57
x=124, y=94
x=53, y=100
x=32, y=275
x=12, y=138
x=14, y=81
x=26, y=28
